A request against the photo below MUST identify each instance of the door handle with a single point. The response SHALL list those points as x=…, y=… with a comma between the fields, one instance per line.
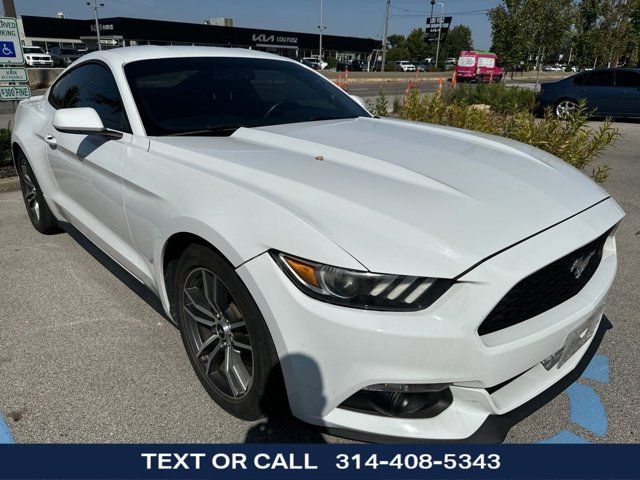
x=51, y=140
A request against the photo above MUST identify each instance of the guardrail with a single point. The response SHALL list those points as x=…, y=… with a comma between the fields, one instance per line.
x=43, y=77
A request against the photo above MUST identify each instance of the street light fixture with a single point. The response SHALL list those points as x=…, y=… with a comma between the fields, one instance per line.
x=95, y=5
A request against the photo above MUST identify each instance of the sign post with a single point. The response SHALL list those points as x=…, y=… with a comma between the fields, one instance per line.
x=12, y=76
x=436, y=28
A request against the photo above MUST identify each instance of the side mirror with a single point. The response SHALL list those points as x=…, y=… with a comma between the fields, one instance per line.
x=82, y=121
x=359, y=101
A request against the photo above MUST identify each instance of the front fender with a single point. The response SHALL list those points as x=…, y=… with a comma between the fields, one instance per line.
x=164, y=198
x=31, y=120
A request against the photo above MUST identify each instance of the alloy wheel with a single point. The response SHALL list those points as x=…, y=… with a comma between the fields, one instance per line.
x=30, y=191
x=565, y=107
x=217, y=333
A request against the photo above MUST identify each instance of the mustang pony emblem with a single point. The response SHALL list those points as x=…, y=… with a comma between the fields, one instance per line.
x=580, y=265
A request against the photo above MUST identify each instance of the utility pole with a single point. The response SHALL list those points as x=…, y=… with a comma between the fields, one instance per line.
x=95, y=7
x=439, y=35
x=321, y=27
x=385, y=36
x=9, y=8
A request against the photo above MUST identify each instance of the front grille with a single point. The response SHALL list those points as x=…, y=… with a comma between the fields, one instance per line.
x=541, y=291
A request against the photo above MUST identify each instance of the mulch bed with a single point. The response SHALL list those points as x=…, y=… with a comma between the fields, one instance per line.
x=6, y=172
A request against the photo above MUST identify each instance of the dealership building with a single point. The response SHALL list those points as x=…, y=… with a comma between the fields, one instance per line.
x=48, y=32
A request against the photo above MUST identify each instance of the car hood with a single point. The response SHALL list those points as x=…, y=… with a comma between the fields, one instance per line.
x=400, y=197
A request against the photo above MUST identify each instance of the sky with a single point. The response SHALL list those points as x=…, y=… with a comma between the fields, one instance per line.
x=360, y=18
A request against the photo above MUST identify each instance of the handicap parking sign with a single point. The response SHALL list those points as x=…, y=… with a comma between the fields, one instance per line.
x=10, y=46
x=7, y=49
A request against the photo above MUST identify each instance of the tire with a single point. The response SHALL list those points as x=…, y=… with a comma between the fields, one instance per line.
x=229, y=313
x=564, y=106
x=39, y=213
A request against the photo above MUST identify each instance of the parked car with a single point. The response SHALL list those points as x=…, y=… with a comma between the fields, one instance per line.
x=292, y=237
x=63, y=57
x=608, y=92
x=405, y=66
x=314, y=62
x=36, y=57
x=422, y=66
x=553, y=68
x=450, y=63
x=352, y=66
x=476, y=66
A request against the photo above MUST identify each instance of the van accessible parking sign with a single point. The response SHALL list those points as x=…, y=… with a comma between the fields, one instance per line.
x=10, y=47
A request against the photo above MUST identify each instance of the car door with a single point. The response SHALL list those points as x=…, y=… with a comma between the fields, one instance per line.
x=87, y=168
x=628, y=93
x=599, y=91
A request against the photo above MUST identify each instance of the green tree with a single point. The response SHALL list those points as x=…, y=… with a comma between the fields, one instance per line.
x=458, y=40
x=607, y=31
x=418, y=48
x=523, y=27
x=397, y=41
x=398, y=53
x=511, y=31
x=587, y=36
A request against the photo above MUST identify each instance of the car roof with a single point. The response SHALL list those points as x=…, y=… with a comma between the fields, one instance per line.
x=124, y=55
x=632, y=69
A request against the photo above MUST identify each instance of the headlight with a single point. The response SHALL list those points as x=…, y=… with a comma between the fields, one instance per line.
x=352, y=288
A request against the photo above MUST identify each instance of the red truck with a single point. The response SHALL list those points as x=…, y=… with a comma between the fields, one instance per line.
x=479, y=67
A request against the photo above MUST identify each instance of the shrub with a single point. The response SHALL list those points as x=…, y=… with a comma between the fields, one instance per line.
x=5, y=147
x=570, y=139
x=379, y=108
x=501, y=98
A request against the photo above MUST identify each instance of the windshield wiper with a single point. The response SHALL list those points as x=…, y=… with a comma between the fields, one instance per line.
x=218, y=131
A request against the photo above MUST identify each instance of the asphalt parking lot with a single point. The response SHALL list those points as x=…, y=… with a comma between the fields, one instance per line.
x=85, y=356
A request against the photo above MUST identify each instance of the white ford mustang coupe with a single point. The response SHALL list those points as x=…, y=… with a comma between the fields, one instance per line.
x=398, y=280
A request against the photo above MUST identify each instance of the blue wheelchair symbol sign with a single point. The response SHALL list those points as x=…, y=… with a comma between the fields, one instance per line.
x=7, y=49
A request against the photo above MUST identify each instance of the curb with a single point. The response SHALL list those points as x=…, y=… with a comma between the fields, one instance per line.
x=10, y=184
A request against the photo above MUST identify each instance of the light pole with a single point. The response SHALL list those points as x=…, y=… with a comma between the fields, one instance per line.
x=385, y=36
x=322, y=28
x=439, y=34
x=95, y=7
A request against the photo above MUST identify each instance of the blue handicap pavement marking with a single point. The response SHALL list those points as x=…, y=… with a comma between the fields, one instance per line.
x=7, y=49
x=5, y=433
x=565, y=436
x=598, y=369
x=585, y=407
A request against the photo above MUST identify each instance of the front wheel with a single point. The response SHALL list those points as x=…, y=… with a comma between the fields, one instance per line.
x=226, y=338
x=39, y=213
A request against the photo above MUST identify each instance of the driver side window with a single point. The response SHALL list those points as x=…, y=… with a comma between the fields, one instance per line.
x=91, y=85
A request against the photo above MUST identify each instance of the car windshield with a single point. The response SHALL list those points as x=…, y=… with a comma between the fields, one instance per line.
x=217, y=95
x=32, y=50
x=67, y=51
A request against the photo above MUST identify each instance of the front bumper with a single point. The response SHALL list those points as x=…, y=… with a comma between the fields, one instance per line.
x=328, y=353
x=39, y=63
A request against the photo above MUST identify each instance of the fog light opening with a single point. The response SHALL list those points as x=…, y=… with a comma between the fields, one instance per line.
x=401, y=401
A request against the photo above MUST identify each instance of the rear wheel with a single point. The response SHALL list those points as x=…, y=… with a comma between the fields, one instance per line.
x=226, y=338
x=565, y=107
x=39, y=213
